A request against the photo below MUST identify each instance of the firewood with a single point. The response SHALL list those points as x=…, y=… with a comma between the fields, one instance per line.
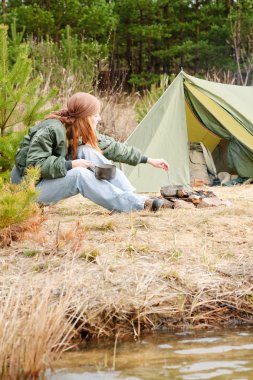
x=170, y=190
x=195, y=198
x=209, y=202
x=179, y=203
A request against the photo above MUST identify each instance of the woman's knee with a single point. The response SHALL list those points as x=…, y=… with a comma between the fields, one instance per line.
x=15, y=176
x=79, y=172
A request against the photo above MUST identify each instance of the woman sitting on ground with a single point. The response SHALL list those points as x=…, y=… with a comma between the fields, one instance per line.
x=53, y=146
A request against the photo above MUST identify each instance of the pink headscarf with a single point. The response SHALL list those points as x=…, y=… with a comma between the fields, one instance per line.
x=80, y=105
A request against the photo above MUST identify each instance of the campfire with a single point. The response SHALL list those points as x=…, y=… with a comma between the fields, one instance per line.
x=185, y=198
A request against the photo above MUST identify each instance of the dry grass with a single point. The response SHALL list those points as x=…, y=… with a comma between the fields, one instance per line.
x=34, y=328
x=16, y=232
x=118, y=115
x=107, y=275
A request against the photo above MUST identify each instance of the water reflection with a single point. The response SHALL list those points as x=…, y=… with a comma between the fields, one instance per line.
x=214, y=350
x=218, y=355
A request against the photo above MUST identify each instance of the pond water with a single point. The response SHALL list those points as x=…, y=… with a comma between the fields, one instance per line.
x=189, y=355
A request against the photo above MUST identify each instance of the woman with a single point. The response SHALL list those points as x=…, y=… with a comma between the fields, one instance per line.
x=54, y=146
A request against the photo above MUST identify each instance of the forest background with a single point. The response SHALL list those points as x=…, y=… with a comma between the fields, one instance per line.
x=130, y=41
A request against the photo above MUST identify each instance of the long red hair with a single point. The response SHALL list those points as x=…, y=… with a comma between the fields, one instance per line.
x=82, y=127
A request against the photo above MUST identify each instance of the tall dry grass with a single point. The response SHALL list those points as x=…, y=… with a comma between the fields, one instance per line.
x=35, y=328
x=118, y=114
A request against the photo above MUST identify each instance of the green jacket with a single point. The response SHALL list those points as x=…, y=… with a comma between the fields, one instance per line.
x=45, y=146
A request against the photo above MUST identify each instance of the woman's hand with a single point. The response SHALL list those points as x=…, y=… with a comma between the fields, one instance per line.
x=81, y=163
x=158, y=163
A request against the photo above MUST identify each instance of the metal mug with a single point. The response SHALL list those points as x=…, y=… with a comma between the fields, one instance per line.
x=105, y=171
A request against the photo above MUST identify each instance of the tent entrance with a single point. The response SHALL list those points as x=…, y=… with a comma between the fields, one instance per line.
x=229, y=140
x=222, y=117
x=198, y=132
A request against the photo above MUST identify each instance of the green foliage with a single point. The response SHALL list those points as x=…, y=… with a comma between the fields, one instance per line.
x=3, y=47
x=8, y=147
x=143, y=80
x=35, y=20
x=21, y=102
x=71, y=65
x=14, y=42
x=143, y=38
x=162, y=36
x=150, y=97
x=94, y=19
x=17, y=202
x=98, y=18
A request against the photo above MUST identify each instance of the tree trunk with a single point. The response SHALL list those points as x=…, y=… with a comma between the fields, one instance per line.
x=166, y=40
x=128, y=54
x=197, y=37
x=4, y=8
x=140, y=45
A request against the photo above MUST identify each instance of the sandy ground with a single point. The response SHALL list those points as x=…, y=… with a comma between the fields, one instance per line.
x=184, y=267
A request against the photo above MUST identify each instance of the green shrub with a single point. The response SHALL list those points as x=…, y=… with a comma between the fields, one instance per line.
x=8, y=147
x=17, y=202
x=143, y=80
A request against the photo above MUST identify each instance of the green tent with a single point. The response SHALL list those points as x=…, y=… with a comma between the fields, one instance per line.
x=193, y=110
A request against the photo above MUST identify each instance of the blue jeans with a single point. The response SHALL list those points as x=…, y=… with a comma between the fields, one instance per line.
x=114, y=195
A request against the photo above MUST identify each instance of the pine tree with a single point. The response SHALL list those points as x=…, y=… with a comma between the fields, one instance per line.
x=20, y=100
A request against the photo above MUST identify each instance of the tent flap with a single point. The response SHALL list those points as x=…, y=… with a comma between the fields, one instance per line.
x=223, y=117
x=162, y=134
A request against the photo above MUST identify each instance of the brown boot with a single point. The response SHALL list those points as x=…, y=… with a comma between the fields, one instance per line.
x=167, y=203
x=154, y=204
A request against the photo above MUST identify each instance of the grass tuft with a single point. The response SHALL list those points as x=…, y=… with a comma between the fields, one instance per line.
x=107, y=226
x=89, y=255
x=30, y=253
